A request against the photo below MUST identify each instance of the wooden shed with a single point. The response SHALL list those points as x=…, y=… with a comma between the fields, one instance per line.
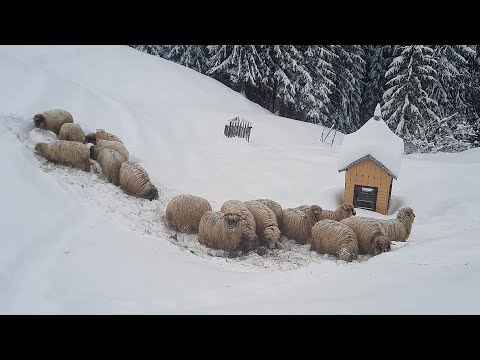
x=371, y=157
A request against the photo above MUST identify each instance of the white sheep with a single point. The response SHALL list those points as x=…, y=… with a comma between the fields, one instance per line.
x=71, y=132
x=247, y=220
x=297, y=224
x=111, y=161
x=334, y=238
x=370, y=235
x=220, y=231
x=183, y=212
x=342, y=212
x=71, y=153
x=115, y=145
x=399, y=229
x=52, y=119
x=265, y=222
x=276, y=208
x=101, y=134
x=135, y=181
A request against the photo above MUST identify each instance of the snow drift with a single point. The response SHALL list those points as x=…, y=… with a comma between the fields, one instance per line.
x=73, y=243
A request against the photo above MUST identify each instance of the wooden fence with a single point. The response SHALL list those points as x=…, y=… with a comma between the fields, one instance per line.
x=238, y=128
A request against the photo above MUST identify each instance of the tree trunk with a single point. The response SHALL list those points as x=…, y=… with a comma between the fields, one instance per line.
x=242, y=88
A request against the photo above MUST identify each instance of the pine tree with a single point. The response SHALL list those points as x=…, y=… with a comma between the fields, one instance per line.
x=408, y=108
x=377, y=58
x=452, y=74
x=239, y=64
x=448, y=134
x=280, y=80
x=157, y=50
x=316, y=84
x=192, y=56
x=349, y=69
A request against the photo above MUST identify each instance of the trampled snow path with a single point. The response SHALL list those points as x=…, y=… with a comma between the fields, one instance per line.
x=147, y=217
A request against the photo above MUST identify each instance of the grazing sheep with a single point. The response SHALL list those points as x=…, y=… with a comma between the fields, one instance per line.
x=71, y=132
x=344, y=211
x=247, y=221
x=220, y=231
x=297, y=224
x=52, y=119
x=334, y=238
x=399, y=229
x=101, y=134
x=71, y=153
x=276, y=208
x=265, y=222
x=135, y=181
x=115, y=145
x=370, y=235
x=184, y=212
x=110, y=161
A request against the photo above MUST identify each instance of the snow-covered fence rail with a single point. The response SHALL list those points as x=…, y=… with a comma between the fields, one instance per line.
x=238, y=128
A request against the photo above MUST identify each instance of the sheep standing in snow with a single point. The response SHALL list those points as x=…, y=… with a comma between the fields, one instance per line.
x=334, y=238
x=135, y=181
x=52, y=119
x=344, y=211
x=101, y=134
x=276, y=208
x=247, y=221
x=184, y=212
x=71, y=153
x=71, y=132
x=220, y=231
x=265, y=222
x=111, y=161
x=115, y=145
x=399, y=229
x=370, y=235
x=297, y=224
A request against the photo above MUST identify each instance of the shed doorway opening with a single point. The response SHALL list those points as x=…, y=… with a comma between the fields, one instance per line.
x=365, y=197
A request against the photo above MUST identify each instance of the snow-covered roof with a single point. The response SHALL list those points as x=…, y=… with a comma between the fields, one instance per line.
x=374, y=141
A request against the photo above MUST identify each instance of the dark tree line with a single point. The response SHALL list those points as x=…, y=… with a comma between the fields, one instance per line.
x=430, y=94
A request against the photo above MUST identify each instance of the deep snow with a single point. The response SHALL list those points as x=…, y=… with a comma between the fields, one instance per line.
x=376, y=139
x=72, y=243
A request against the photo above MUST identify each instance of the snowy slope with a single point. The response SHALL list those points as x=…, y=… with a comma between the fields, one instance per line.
x=72, y=243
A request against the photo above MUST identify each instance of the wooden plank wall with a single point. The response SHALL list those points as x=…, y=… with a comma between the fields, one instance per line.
x=368, y=173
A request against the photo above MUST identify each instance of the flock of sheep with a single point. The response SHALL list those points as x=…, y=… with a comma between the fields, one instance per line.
x=245, y=226
x=108, y=150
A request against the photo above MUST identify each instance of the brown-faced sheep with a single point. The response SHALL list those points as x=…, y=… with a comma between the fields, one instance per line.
x=344, y=211
x=399, y=229
x=297, y=224
x=111, y=161
x=184, y=212
x=220, y=231
x=276, y=208
x=135, y=181
x=52, y=119
x=247, y=221
x=101, y=134
x=265, y=222
x=71, y=153
x=370, y=235
x=103, y=144
x=334, y=238
x=71, y=132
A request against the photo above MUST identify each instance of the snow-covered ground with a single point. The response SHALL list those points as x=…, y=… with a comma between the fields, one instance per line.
x=73, y=243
